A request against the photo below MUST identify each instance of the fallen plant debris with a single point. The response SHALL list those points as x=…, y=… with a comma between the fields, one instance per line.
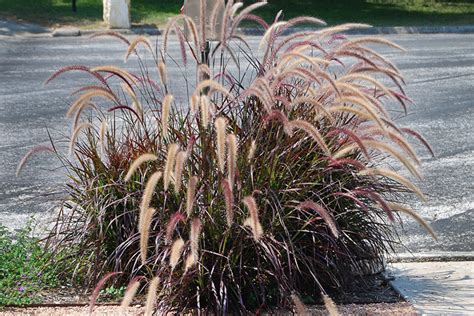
x=270, y=185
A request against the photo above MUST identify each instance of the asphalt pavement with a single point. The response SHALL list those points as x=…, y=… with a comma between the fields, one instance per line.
x=439, y=70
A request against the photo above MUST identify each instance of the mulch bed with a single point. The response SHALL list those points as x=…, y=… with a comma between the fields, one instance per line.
x=370, y=295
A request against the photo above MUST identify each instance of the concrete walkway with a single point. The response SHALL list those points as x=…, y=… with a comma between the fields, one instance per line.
x=436, y=288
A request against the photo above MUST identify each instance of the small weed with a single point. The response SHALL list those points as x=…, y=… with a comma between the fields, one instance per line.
x=24, y=269
x=111, y=293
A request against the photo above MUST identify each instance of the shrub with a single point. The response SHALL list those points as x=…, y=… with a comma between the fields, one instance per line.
x=273, y=180
x=24, y=269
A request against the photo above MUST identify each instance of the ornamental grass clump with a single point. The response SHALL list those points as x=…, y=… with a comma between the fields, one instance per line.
x=271, y=181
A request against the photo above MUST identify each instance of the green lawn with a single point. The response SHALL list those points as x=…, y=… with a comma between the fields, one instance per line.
x=379, y=12
x=376, y=12
x=89, y=12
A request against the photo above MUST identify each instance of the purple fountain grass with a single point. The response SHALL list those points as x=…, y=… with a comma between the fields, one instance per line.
x=174, y=220
x=35, y=150
x=170, y=162
x=165, y=115
x=137, y=163
x=229, y=201
x=304, y=130
x=220, y=127
x=130, y=292
x=151, y=296
x=178, y=170
x=176, y=250
x=191, y=193
x=97, y=289
x=324, y=215
x=253, y=222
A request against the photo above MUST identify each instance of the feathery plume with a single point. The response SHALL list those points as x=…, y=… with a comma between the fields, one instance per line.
x=166, y=113
x=151, y=296
x=359, y=113
x=170, y=160
x=253, y=221
x=420, y=138
x=34, y=150
x=178, y=170
x=121, y=73
x=194, y=103
x=136, y=105
x=149, y=190
x=86, y=97
x=300, y=308
x=202, y=21
x=79, y=111
x=75, y=68
x=130, y=293
x=176, y=250
x=203, y=71
x=195, y=232
x=220, y=125
x=372, y=40
x=381, y=147
x=330, y=306
x=111, y=34
x=190, y=262
x=324, y=215
x=399, y=208
x=204, y=102
x=358, y=76
x=182, y=43
x=174, y=220
x=269, y=33
x=405, y=145
x=75, y=134
x=236, y=7
x=366, y=106
x=193, y=28
x=390, y=150
x=190, y=196
x=146, y=213
x=144, y=223
x=253, y=148
x=231, y=157
x=312, y=131
x=247, y=10
x=137, y=163
x=102, y=132
x=353, y=136
x=214, y=87
x=314, y=102
x=162, y=71
x=229, y=201
x=133, y=45
x=300, y=59
x=97, y=289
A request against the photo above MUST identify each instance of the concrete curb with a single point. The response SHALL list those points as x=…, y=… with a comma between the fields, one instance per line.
x=63, y=32
x=432, y=257
x=66, y=32
x=463, y=29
